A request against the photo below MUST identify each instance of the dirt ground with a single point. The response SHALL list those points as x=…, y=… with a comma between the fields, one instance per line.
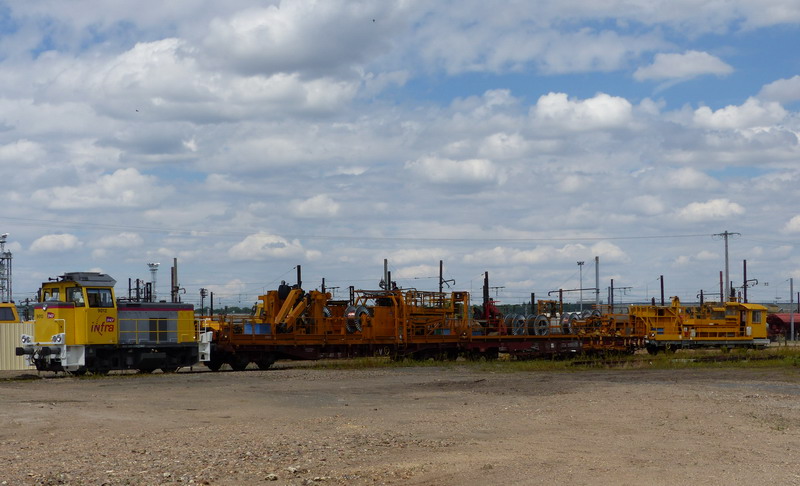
x=410, y=426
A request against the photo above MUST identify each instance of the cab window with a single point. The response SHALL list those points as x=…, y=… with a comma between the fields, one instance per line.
x=7, y=314
x=756, y=317
x=75, y=295
x=99, y=298
x=51, y=295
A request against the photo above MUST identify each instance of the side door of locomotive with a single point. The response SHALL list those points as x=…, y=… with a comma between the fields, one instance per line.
x=101, y=316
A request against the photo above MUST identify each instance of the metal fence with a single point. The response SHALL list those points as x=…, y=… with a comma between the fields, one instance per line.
x=9, y=340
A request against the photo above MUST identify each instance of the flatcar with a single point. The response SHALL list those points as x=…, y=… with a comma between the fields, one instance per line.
x=290, y=323
x=79, y=327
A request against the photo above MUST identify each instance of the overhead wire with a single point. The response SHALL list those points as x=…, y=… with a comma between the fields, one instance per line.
x=361, y=237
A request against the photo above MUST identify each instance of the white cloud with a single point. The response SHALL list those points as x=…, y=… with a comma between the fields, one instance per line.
x=223, y=183
x=688, y=65
x=448, y=171
x=319, y=206
x=500, y=255
x=597, y=113
x=682, y=260
x=416, y=271
x=687, y=178
x=752, y=113
x=503, y=146
x=264, y=246
x=609, y=252
x=270, y=117
x=793, y=225
x=702, y=256
x=120, y=240
x=707, y=256
x=714, y=209
x=276, y=38
x=647, y=205
x=782, y=90
x=125, y=188
x=574, y=183
x=407, y=256
x=22, y=154
x=55, y=243
x=349, y=171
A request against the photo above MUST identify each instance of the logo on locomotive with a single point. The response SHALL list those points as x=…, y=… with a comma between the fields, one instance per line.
x=103, y=327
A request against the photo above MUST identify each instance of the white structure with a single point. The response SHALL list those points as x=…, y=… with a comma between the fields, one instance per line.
x=5, y=270
x=153, y=272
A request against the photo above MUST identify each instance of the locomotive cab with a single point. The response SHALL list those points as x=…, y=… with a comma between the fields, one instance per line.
x=76, y=310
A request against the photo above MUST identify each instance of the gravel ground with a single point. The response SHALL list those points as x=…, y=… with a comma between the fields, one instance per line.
x=411, y=426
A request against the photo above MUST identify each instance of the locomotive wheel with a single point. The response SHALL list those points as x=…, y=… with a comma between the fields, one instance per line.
x=169, y=369
x=79, y=372
x=146, y=371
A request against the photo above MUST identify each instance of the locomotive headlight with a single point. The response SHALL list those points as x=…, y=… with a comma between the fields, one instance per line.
x=57, y=338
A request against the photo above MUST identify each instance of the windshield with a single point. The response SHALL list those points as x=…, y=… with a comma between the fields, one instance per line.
x=99, y=298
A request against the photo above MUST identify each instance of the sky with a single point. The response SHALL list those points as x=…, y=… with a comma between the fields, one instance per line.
x=511, y=137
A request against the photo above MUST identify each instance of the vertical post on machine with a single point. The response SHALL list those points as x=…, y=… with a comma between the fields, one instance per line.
x=486, y=295
x=791, y=307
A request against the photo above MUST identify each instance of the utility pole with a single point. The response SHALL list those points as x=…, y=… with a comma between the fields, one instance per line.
x=203, y=295
x=580, y=270
x=597, y=282
x=725, y=235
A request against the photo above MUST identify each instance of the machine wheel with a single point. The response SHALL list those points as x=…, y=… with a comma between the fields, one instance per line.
x=169, y=369
x=265, y=361
x=264, y=364
x=239, y=363
x=79, y=372
x=213, y=365
x=146, y=371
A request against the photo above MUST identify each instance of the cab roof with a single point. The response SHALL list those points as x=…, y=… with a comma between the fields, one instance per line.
x=87, y=279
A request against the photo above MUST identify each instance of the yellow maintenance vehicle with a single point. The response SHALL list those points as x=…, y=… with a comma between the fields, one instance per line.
x=79, y=326
x=713, y=324
x=8, y=313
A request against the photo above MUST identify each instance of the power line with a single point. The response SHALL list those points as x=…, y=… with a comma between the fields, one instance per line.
x=196, y=233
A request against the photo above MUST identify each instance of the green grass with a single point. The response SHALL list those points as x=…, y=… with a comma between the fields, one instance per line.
x=787, y=358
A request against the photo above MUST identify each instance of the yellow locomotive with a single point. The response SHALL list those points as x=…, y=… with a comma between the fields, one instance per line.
x=79, y=326
x=724, y=325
